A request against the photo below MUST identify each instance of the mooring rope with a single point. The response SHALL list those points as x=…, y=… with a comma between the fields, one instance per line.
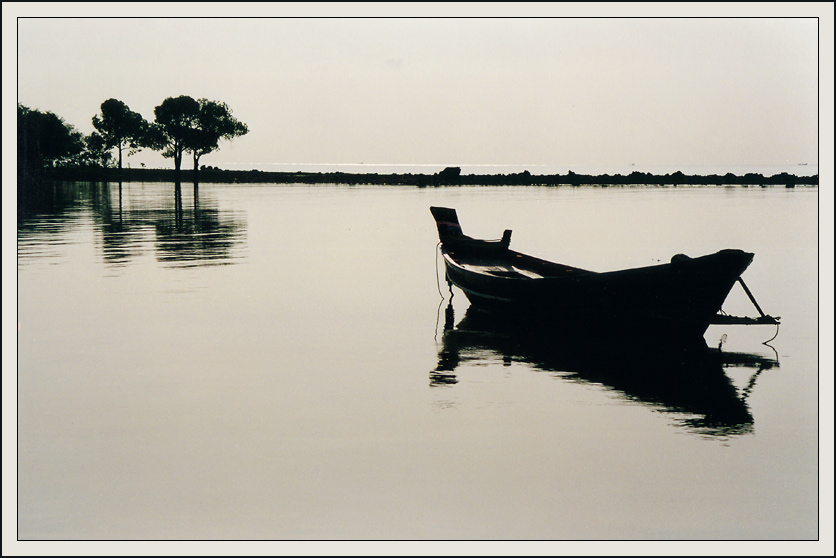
x=777, y=329
x=437, y=282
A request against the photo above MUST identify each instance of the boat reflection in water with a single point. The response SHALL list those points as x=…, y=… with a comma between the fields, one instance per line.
x=689, y=381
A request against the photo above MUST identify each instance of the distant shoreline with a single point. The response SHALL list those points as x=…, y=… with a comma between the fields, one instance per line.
x=448, y=177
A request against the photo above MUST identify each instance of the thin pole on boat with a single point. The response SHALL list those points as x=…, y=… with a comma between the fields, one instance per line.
x=751, y=297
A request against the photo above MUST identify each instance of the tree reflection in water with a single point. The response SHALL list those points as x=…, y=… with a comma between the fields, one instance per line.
x=690, y=383
x=120, y=231
x=196, y=236
x=191, y=234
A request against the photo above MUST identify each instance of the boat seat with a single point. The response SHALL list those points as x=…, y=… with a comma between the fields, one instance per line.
x=504, y=271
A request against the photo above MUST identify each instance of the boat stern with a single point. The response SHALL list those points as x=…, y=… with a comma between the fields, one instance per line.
x=447, y=222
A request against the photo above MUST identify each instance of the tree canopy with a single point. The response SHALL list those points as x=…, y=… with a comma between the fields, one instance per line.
x=96, y=153
x=44, y=139
x=181, y=124
x=195, y=126
x=175, y=121
x=119, y=127
x=214, y=122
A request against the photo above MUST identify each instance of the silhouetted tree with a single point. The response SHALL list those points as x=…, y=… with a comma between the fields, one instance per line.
x=175, y=121
x=96, y=153
x=120, y=127
x=44, y=140
x=214, y=123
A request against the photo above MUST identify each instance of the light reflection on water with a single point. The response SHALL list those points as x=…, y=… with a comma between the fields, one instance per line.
x=251, y=361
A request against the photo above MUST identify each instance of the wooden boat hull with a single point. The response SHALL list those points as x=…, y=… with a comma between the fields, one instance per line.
x=680, y=298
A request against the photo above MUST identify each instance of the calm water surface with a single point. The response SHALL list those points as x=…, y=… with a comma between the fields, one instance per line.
x=271, y=362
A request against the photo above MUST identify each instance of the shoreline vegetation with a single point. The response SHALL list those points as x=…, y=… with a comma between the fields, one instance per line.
x=50, y=149
x=450, y=176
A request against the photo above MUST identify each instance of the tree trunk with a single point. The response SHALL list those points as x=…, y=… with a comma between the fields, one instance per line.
x=196, y=159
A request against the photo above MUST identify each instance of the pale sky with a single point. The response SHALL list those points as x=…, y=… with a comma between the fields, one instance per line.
x=507, y=90
x=544, y=91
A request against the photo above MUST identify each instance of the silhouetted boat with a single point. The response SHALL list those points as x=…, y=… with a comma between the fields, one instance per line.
x=679, y=299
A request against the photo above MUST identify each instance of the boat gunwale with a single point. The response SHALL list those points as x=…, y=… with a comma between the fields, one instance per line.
x=563, y=271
